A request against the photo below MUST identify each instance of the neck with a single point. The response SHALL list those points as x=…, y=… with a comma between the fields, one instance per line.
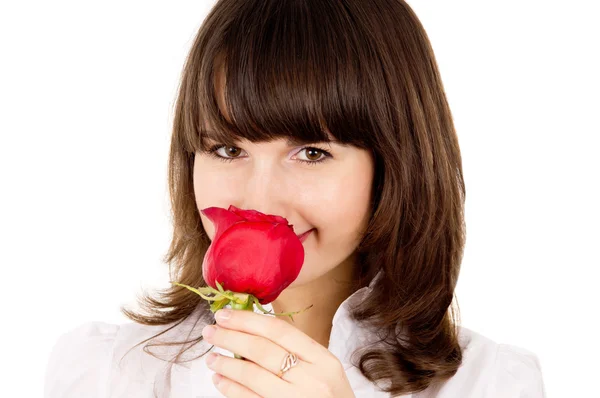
x=325, y=294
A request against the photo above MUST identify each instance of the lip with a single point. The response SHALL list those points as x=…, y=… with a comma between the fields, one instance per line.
x=303, y=236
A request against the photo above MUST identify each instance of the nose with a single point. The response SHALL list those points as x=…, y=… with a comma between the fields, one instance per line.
x=266, y=190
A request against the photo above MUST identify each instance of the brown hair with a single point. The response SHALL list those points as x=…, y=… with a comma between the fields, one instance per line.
x=365, y=71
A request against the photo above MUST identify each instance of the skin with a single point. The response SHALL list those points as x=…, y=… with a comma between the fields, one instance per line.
x=264, y=341
x=332, y=196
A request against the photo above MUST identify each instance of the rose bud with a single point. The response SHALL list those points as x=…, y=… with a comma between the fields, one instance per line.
x=253, y=257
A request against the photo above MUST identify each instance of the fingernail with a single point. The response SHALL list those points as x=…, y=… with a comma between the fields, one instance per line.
x=208, y=331
x=211, y=358
x=223, y=314
x=217, y=378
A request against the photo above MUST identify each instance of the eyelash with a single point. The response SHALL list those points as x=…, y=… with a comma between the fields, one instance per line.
x=213, y=149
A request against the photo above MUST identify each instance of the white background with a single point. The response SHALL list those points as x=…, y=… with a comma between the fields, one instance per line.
x=86, y=97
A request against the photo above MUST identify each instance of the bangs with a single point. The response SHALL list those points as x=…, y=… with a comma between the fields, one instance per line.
x=278, y=70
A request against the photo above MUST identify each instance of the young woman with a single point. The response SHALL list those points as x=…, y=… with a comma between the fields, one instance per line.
x=332, y=114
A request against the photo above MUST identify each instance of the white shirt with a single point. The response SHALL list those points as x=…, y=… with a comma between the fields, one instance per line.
x=85, y=363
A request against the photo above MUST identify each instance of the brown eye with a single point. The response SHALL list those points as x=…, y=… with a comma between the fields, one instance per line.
x=229, y=154
x=313, y=154
x=232, y=151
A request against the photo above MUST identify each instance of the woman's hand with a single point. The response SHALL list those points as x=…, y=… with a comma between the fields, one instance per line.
x=265, y=341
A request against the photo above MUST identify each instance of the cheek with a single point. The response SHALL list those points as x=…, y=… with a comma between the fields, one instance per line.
x=209, y=191
x=342, y=207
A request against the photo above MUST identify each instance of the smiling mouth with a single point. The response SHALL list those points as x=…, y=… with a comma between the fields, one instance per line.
x=303, y=236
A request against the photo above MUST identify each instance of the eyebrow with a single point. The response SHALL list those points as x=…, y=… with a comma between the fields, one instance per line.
x=290, y=141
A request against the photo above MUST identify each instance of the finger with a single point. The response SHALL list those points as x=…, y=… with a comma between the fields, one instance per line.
x=232, y=389
x=251, y=376
x=277, y=330
x=257, y=349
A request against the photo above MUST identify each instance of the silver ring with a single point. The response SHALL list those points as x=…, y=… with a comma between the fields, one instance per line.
x=289, y=361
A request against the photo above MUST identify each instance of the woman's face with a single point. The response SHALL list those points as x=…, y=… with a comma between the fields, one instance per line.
x=330, y=195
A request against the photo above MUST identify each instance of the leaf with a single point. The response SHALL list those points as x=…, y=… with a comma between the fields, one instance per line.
x=219, y=286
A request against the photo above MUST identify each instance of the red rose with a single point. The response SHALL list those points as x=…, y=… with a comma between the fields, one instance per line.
x=252, y=253
x=253, y=257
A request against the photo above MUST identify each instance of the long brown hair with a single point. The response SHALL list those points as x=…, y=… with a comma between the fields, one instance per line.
x=365, y=71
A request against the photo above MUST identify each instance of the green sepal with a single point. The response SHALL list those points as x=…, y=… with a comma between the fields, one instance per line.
x=242, y=298
x=260, y=307
x=240, y=301
x=217, y=305
x=243, y=301
x=217, y=294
